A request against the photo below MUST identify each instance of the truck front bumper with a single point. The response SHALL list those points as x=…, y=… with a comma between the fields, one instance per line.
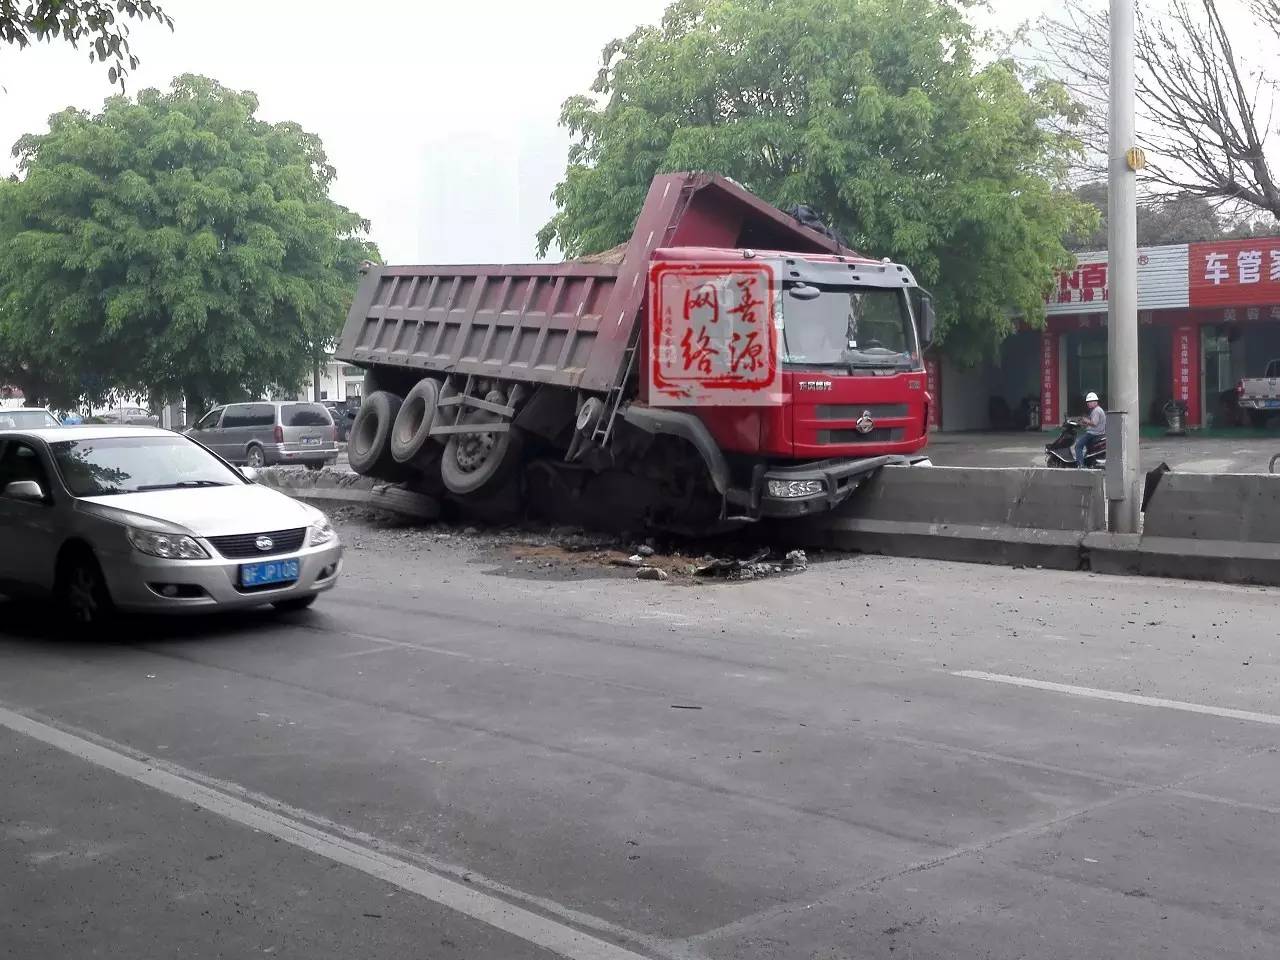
x=816, y=487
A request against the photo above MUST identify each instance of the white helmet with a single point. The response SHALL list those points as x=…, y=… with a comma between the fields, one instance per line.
x=1091, y=398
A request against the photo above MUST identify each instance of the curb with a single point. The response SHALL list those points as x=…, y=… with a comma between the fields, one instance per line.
x=334, y=486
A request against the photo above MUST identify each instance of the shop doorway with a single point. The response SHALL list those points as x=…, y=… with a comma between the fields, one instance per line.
x=1155, y=373
x=1086, y=369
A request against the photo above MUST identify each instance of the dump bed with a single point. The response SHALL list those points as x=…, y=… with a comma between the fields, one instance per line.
x=568, y=324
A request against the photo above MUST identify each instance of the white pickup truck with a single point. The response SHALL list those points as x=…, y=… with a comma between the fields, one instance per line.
x=1260, y=396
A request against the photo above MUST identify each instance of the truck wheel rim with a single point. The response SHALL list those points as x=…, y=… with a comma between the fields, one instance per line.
x=474, y=449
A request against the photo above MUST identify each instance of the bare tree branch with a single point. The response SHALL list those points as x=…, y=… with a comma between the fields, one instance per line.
x=1204, y=115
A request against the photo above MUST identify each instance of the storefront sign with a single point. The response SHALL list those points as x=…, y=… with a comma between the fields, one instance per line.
x=1235, y=273
x=1048, y=378
x=1186, y=370
x=933, y=381
x=714, y=340
x=1162, y=282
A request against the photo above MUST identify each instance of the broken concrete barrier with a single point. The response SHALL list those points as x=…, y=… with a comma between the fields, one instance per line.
x=1036, y=517
x=1221, y=527
x=343, y=487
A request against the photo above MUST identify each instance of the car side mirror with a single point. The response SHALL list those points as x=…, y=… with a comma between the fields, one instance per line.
x=804, y=291
x=249, y=474
x=26, y=490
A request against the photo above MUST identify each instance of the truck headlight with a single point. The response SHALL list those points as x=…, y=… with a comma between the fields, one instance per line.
x=789, y=489
x=321, y=533
x=166, y=546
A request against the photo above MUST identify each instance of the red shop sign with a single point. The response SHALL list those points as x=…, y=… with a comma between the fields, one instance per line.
x=1048, y=378
x=1235, y=273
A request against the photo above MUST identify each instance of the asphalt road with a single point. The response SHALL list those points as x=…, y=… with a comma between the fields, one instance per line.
x=460, y=756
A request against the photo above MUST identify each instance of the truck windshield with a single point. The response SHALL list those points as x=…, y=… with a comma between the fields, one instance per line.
x=848, y=327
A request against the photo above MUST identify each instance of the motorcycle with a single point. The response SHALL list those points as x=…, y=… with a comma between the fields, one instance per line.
x=1061, y=452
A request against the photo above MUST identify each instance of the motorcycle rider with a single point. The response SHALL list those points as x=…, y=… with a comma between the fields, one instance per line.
x=1097, y=429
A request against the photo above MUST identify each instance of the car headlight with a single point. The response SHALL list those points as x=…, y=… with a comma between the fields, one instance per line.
x=795, y=488
x=321, y=533
x=167, y=546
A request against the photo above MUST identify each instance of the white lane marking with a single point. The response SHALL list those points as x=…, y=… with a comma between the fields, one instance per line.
x=558, y=938
x=1114, y=695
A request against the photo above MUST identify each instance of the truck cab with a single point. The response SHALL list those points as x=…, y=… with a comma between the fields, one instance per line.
x=850, y=337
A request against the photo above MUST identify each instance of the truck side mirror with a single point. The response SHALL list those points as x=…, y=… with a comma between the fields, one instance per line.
x=928, y=321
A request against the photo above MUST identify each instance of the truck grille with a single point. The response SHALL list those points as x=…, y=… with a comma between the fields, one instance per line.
x=878, y=435
x=852, y=411
x=242, y=546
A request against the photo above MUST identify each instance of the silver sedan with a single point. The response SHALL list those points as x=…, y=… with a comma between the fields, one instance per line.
x=134, y=518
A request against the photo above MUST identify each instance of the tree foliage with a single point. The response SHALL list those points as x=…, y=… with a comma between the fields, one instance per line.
x=880, y=113
x=172, y=245
x=104, y=24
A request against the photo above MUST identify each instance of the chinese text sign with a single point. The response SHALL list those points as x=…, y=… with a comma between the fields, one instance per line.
x=1186, y=370
x=713, y=339
x=1235, y=273
x=1048, y=378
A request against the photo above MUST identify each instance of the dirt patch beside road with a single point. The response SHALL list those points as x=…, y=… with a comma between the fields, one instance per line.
x=535, y=552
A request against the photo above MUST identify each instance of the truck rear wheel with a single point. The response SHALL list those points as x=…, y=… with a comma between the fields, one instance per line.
x=477, y=462
x=411, y=434
x=369, y=447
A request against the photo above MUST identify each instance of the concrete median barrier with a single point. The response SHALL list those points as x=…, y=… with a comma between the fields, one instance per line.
x=1222, y=527
x=1035, y=517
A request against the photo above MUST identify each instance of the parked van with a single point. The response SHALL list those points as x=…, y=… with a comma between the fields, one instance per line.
x=267, y=432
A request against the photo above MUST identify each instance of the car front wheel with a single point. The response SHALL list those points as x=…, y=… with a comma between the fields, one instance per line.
x=82, y=592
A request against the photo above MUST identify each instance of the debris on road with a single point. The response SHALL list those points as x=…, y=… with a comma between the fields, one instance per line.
x=754, y=566
x=535, y=551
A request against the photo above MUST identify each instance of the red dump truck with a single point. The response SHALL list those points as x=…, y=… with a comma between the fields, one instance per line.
x=474, y=374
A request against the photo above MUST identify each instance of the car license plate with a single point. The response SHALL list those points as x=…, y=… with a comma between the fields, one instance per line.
x=311, y=441
x=1272, y=404
x=270, y=571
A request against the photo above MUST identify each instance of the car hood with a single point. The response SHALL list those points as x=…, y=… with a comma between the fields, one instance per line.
x=211, y=511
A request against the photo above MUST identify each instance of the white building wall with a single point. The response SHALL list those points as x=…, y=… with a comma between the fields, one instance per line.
x=965, y=391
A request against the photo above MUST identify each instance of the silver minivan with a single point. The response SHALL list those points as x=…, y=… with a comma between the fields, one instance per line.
x=268, y=432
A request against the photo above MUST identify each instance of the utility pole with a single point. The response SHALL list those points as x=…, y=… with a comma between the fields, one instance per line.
x=1124, y=160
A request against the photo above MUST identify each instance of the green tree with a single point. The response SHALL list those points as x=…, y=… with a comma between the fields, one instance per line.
x=103, y=23
x=883, y=114
x=172, y=245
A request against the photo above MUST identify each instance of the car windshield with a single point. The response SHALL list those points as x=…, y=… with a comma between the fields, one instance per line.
x=26, y=419
x=863, y=327
x=114, y=465
x=305, y=415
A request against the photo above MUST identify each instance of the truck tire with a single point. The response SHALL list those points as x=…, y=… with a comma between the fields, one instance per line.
x=411, y=434
x=369, y=448
x=477, y=462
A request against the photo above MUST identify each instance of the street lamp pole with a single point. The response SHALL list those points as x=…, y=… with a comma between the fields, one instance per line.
x=1122, y=278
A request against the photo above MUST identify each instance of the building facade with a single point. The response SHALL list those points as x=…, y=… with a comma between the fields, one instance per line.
x=1208, y=316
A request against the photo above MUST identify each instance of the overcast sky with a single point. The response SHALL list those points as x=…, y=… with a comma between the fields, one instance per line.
x=440, y=119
